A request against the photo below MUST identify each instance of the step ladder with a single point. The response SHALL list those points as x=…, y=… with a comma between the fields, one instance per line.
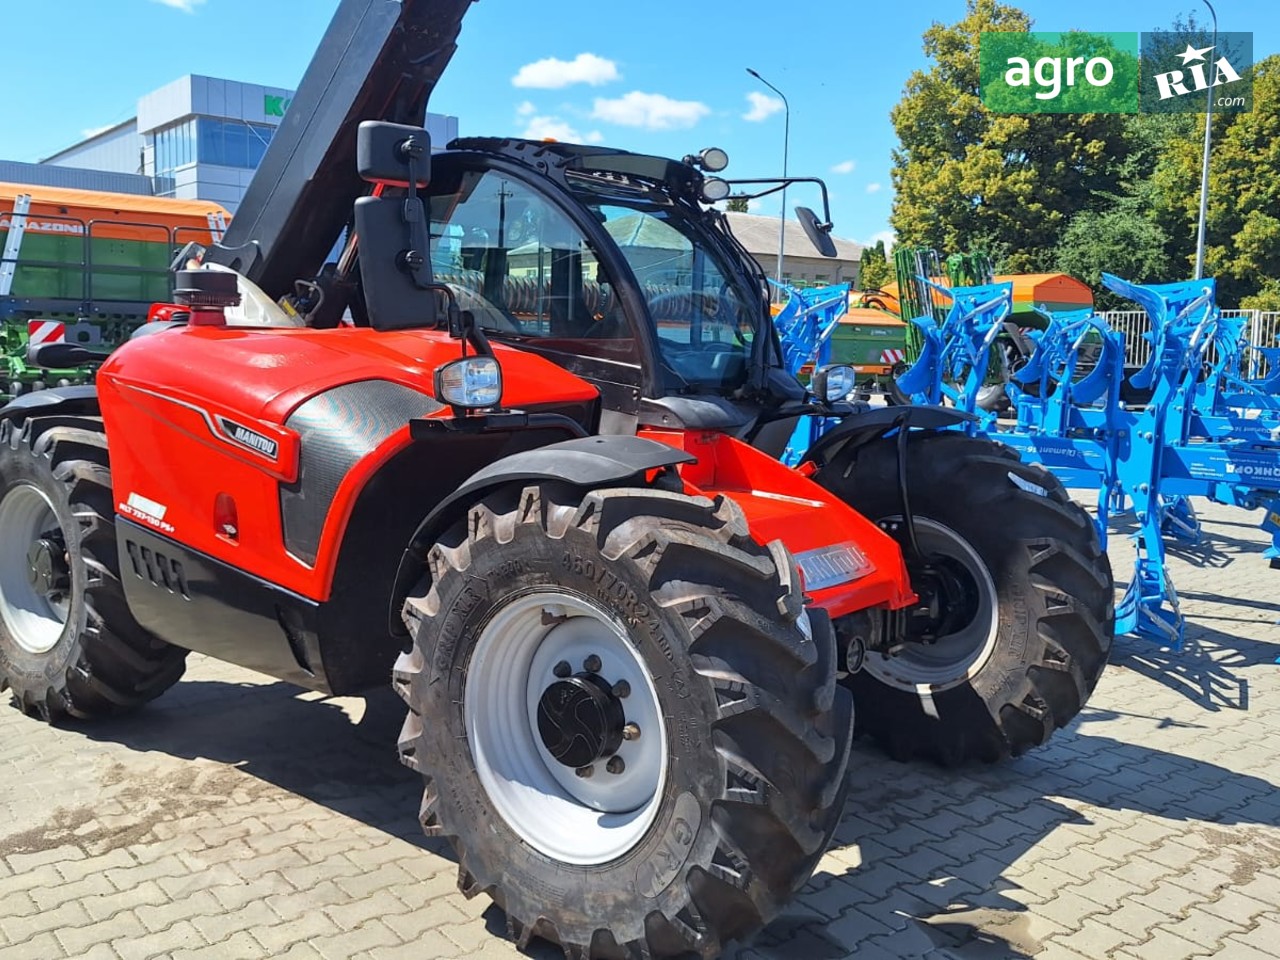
x=13, y=245
x=217, y=227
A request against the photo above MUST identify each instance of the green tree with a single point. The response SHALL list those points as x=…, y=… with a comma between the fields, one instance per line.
x=738, y=205
x=874, y=271
x=1242, y=229
x=1267, y=298
x=1121, y=240
x=1010, y=183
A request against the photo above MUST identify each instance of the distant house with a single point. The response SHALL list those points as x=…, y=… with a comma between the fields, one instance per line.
x=803, y=266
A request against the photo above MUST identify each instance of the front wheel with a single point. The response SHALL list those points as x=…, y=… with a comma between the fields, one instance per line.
x=627, y=723
x=1017, y=600
x=68, y=642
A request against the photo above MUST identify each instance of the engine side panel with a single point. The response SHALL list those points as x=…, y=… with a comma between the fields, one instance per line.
x=290, y=425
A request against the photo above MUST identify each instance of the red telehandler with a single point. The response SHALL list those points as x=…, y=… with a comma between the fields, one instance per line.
x=516, y=450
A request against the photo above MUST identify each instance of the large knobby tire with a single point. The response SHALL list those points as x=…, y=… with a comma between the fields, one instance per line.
x=658, y=612
x=1028, y=586
x=68, y=643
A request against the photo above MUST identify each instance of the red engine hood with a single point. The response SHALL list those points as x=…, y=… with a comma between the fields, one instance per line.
x=266, y=373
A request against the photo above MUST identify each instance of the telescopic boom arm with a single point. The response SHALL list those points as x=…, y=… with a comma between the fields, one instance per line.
x=378, y=60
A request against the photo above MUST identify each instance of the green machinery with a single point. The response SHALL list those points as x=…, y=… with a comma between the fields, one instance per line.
x=83, y=267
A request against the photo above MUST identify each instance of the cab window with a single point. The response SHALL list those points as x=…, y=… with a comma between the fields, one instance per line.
x=522, y=268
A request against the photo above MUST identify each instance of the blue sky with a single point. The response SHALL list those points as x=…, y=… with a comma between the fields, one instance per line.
x=666, y=76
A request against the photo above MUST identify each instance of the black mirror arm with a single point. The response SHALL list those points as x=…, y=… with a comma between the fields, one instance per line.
x=780, y=184
x=418, y=258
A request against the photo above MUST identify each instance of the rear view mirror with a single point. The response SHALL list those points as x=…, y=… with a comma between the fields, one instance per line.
x=393, y=153
x=392, y=272
x=819, y=234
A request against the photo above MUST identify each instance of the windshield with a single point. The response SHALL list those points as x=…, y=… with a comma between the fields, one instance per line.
x=704, y=323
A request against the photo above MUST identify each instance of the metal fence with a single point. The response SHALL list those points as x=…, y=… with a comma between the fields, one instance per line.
x=1134, y=324
x=1264, y=331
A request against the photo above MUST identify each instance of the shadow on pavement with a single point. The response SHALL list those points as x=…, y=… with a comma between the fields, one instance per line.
x=1214, y=551
x=936, y=846
x=339, y=753
x=1206, y=670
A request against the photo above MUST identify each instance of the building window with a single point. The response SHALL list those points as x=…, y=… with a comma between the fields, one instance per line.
x=233, y=143
x=174, y=147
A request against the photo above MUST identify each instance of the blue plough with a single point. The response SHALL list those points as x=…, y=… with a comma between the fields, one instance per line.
x=1207, y=429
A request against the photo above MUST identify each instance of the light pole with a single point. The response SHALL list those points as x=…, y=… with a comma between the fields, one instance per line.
x=786, y=150
x=1208, y=133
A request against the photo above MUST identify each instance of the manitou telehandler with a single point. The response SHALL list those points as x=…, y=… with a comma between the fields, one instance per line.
x=516, y=450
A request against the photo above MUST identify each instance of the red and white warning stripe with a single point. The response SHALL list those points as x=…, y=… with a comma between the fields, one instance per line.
x=45, y=331
x=891, y=357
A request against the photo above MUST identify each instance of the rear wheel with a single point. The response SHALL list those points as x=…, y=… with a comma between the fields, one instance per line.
x=1017, y=600
x=68, y=643
x=627, y=723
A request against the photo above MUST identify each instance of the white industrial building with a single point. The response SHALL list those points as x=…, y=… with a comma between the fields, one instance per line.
x=198, y=138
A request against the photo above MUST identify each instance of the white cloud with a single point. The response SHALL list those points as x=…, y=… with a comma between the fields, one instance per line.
x=848, y=166
x=595, y=136
x=553, y=74
x=762, y=107
x=551, y=128
x=186, y=6
x=874, y=188
x=885, y=235
x=526, y=109
x=650, y=111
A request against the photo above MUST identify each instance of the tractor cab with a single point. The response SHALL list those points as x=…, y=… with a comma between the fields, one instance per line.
x=615, y=266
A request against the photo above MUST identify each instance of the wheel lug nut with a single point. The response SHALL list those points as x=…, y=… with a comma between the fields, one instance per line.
x=615, y=765
x=592, y=664
x=622, y=689
x=586, y=772
x=562, y=669
x=631, y=732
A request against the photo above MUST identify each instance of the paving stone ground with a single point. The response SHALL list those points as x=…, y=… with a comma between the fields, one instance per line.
x=239, y=818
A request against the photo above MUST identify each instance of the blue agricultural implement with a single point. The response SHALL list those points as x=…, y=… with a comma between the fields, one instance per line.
x=1204, y=428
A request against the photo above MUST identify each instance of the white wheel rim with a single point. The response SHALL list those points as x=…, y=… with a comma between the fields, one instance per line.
x=957, y=657
x=31, y=618
x=569, y=818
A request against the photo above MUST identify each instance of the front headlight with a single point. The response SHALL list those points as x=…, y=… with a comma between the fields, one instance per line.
x=834, y=382
x=472, y=383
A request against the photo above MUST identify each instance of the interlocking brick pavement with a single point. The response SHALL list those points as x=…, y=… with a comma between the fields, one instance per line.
x=239, y=818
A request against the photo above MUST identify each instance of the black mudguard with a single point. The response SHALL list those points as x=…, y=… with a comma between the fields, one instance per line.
x=79, y=400
x=860, y=427
x=588, y=462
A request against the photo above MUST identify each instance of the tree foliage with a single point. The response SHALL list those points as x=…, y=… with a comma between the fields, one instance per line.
x=737, y=205
x=1242, y=229
x=1085, y=193
x=966, y=177
x=875, y=271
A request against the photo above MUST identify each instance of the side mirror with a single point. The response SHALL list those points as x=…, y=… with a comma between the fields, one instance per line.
x=819, y=234
x=394, y=272
x=393, y=153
